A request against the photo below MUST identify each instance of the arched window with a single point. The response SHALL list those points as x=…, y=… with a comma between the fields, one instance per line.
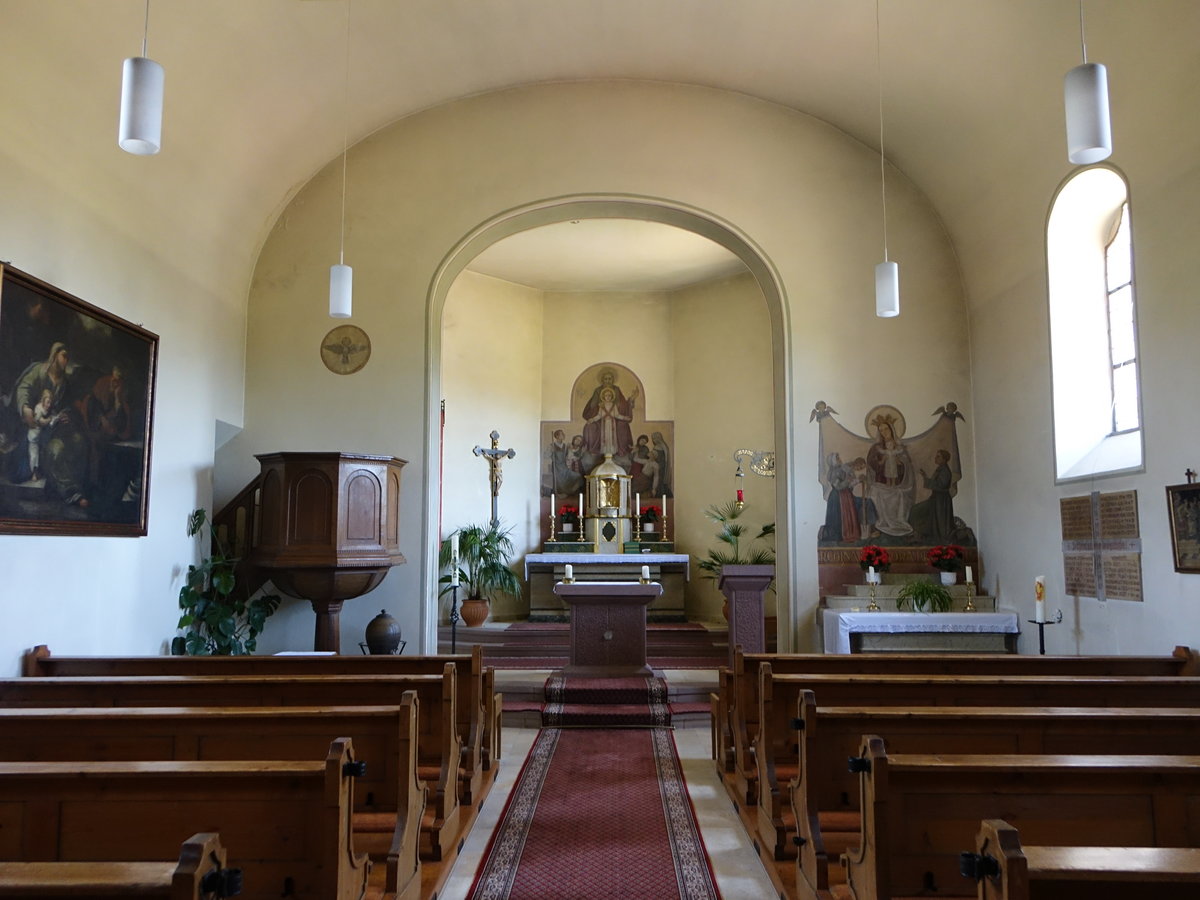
x=1093, y=328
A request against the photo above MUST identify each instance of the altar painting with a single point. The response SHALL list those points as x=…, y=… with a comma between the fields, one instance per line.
x=607, y=418
x=888, y=487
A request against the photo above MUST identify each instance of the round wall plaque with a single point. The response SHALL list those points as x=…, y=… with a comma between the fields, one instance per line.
x=345, y=349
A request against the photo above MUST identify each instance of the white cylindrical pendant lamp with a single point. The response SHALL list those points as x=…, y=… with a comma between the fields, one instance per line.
x=887, y=290
x=140, y=129
x=341, y=288
x=1089, y=129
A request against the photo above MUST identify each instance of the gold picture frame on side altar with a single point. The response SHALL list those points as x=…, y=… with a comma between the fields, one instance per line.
x=1183, y=507
x=76, y=414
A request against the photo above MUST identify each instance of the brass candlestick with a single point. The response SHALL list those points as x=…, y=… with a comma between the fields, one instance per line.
x=970, y=607
x=872, y=606
x=552, y=523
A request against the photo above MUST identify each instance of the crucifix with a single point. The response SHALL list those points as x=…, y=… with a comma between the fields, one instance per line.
x=1190, y=476
x=495, y=476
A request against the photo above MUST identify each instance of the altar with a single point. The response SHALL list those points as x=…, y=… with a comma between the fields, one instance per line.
x=967, y=632
x=544, y=570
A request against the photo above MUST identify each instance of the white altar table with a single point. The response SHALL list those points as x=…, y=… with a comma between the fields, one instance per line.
x=841, y=625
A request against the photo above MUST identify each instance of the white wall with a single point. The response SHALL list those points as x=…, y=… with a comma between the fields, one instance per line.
x=801, y=193
x=111, y=245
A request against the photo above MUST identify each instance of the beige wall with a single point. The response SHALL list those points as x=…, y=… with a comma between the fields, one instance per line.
x=798, y=198
x=722, y=335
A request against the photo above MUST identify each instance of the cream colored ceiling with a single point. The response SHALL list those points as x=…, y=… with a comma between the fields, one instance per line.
x=256, y=92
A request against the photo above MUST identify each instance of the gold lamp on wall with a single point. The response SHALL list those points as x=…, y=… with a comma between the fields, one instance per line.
x=140, y=128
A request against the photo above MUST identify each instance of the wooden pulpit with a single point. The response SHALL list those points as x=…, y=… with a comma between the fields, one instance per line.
x=328, y=529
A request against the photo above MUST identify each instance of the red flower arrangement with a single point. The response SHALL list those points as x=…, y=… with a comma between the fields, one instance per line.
x=649, y=513
x=947, y=558
x=874, y=555
x=569, y=513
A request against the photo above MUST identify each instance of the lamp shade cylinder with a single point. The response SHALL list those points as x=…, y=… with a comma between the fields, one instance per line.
x=887, y=290
x=1089, y=129
x=341, y=288
x=140, y=129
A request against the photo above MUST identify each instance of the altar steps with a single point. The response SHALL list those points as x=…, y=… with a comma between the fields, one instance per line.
x=530, y=645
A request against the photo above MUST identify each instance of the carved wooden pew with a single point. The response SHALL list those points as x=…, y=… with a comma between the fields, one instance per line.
x=735, y=703
x=824, y=795
x=389, y=800
x=1007, y=871
x=920, y=810
x=199, y=874
x=438, y=744
x=286, y=822
x=479, y=706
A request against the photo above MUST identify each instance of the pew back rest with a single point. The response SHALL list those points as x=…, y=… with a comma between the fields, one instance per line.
x=287, y=822
x=920, y=810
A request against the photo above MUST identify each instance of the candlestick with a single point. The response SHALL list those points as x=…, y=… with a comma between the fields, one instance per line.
x=664, y=518
x=873, y=606
x=739, y=495
x=454, y=559
x=1039, y=593
x=970, y=606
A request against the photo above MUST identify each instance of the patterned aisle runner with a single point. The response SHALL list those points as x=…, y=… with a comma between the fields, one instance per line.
x=598, y=814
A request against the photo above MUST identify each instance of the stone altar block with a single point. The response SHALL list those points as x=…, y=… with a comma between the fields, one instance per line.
x=608, y=627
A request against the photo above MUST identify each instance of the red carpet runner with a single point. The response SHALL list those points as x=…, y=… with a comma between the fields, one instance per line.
x=599, y=813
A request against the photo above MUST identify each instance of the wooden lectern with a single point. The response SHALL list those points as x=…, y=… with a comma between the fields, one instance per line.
x=328, y=529
x=608, y=627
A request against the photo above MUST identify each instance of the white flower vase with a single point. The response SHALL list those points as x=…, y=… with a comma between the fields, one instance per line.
x=949, y=578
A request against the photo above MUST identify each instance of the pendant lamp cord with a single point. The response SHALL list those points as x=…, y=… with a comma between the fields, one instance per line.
x=882, y=157
x=345, y=136
x=1082, y=39
x=146, y=28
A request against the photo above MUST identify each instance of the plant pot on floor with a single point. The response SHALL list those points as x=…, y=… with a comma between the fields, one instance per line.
x=474, y=611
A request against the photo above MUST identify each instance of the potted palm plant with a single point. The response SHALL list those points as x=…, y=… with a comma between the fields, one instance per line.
x=739, y=570
x=484, y=554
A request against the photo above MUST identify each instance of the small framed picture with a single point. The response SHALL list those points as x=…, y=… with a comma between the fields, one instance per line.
x=1183, y=505
x=76, y=414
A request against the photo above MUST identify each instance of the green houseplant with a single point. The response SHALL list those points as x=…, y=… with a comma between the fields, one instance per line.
x=219, y=619
x=484, y=554
x=731, y=535
x=921, y=594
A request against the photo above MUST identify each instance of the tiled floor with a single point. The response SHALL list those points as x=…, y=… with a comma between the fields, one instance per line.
x=737, y=867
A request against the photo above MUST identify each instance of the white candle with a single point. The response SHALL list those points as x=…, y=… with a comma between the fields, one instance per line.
x=871, y=572
x=637, y=504
x=1039, y=604
x=645, y=573
x=454, y=559
x=568, y=572
x=969, y=577
x=581, y=505
x=552, y=510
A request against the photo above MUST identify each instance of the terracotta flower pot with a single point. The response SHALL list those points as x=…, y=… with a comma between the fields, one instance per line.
x=474, y=611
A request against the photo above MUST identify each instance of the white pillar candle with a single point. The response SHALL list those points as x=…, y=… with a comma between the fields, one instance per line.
x=637, y=504
x=552, y=504
x=969, y=574
x=581, y=505
x=1039, y=603
x=645, y=573
x=871, y=572
x=568, y=572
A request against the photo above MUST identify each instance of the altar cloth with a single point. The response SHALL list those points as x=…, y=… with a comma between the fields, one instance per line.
x=668, y=562
x=840, y=624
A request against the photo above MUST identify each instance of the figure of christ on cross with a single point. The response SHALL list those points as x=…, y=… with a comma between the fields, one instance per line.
x=494, y=455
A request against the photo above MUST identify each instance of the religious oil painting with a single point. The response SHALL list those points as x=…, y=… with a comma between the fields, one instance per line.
x=1183, y=504
x=608, y=418
x=76, y=409
x=892, y=484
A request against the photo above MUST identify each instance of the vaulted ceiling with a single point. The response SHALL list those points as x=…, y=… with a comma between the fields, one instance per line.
x=258, y=93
